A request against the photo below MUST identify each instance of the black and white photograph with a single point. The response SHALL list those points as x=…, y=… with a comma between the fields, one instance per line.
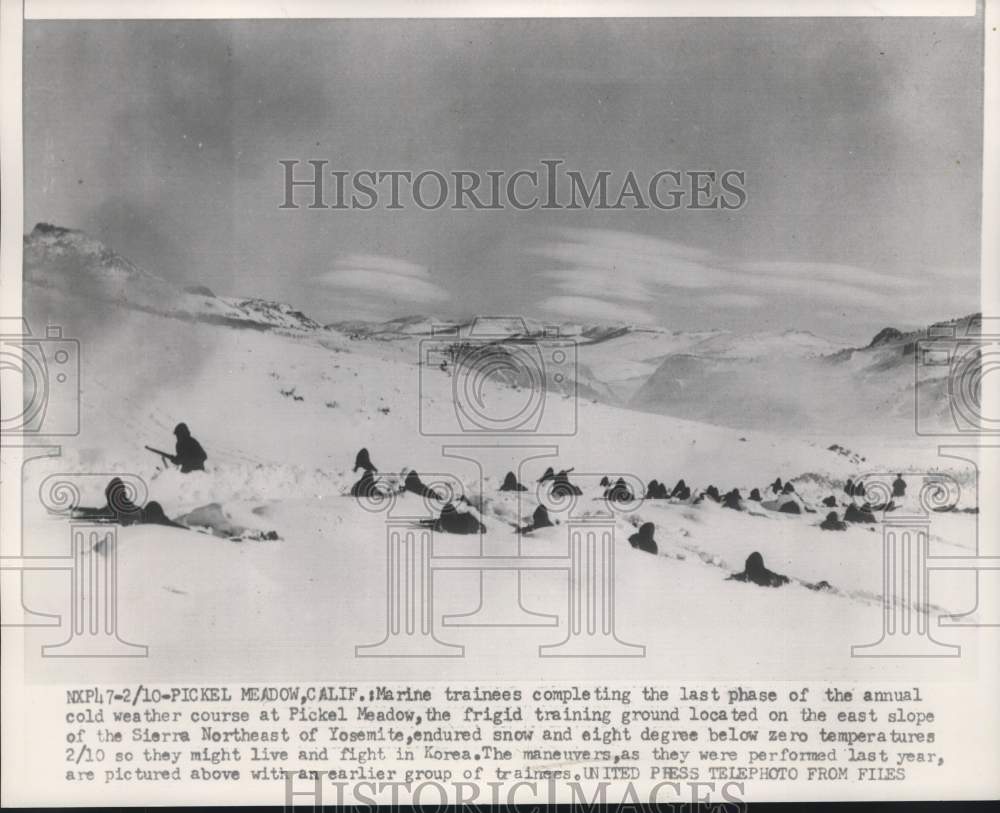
x=432, y=405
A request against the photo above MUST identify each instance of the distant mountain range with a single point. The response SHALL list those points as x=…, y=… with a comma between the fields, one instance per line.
x=790, y=380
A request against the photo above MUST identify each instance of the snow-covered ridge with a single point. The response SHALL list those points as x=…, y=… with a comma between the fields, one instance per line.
x=767, y=380
x=405, y=327
x=58, y=257
x=798, y=380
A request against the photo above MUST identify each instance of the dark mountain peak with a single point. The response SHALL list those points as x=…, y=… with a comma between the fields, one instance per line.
x=47, y=229
x=886, y=335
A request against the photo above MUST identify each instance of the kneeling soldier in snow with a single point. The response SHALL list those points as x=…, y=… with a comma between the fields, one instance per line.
x=188, y=452
x=755, y=572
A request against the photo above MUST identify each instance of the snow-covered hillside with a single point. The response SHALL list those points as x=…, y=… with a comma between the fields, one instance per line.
x=790, y=380
x=68, y=259
x=795, y=379
x=772, y=381
x=282, y=413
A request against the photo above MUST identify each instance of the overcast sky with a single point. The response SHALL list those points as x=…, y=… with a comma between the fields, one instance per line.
x=860, y=140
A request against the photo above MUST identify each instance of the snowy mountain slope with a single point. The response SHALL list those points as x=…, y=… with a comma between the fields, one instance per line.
x=779, y=381
x=282, y=415
x=894, y=369
x=798, y=382
x=788, y=380
x=787, y=343
x=56, y=257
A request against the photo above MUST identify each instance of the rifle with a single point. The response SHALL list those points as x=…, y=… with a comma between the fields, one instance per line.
x=166, y=457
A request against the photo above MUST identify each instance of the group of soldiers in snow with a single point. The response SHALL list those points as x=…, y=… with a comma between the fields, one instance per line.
x=188, y=456
x=460, y=516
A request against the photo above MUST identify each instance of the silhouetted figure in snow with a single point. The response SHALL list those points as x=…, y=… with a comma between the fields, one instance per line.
x=562, y=487
x=788, y=489
x=755, y=495
x=656, y=490
x=855, y=514
x=830, y=502
x=368, y=487
x=605, y=482
x=453, y=521
x=643, y=539
x=188, y=452
x=680, y=491
x=549, y=475
x=776, y=486
x=733, y=500
x=755, y=572
x=364, y=462
x=413, y=483
x=510, y=483
x=152, y=514
x=619, y=492
x=712, y=493
x=539, y=519
x=786, y=504
x=849, y=487
x=120, y=505
x=899, y=486
x=833, y=523
x=122, y=510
